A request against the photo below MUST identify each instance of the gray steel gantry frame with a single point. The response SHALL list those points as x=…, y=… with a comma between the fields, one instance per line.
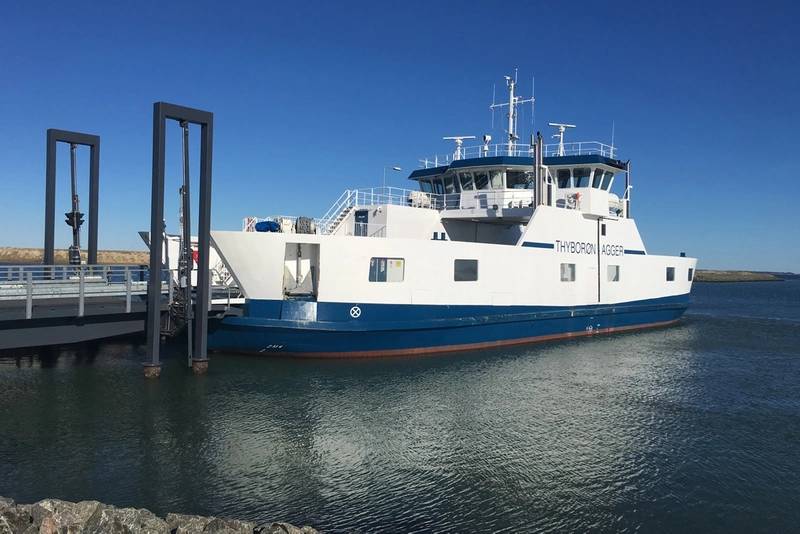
x=161, y=112
x=74, y=138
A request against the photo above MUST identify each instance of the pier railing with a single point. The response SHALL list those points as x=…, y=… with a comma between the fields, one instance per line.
x=76, y=283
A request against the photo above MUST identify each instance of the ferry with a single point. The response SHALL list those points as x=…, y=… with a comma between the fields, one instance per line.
x=497, y=244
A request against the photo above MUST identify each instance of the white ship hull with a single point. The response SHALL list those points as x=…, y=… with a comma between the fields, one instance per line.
x=522, y=292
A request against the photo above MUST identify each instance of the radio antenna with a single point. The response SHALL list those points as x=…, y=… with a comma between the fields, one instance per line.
x=494, y=88
x=533, y=104
x=560, y=134
x=459, y=139
x=612, y=138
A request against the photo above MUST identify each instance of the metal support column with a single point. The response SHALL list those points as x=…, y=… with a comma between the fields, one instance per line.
x=186, y=261
x=73, y=138
x=538, y=172
x=628, y=189
x=161, y=112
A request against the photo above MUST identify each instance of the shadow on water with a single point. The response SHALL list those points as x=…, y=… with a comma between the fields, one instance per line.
x=695, y=427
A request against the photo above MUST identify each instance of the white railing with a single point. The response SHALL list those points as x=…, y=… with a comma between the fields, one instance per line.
x=378, y=196
x=341, y=203
x=579, y=148
x=75, y=284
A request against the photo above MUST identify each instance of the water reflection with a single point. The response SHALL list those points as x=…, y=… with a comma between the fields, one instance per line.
x=605, y=433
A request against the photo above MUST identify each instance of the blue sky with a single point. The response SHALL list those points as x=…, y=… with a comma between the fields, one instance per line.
x=313, y=98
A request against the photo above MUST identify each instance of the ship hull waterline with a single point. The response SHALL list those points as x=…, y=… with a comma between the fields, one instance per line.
x=417, y=332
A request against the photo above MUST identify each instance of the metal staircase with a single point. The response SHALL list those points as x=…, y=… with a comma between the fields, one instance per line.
x=338, y=212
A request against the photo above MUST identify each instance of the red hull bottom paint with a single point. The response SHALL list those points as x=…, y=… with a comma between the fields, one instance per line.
x=420, y=351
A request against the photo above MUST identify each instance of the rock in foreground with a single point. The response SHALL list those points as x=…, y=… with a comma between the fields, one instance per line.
x=52, y=516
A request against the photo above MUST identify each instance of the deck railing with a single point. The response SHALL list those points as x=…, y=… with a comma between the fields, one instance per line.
x=488, y=199
x=578, y=148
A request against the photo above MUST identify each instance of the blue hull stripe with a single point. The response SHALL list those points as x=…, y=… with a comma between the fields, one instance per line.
x=632, y=251
x=394, y=328
x=535, y=244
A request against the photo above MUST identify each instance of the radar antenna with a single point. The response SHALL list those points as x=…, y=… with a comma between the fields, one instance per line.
x=560, y=134
x=513, y=102
x=459, y=139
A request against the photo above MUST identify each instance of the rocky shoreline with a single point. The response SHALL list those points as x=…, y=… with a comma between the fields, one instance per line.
x=52, y=516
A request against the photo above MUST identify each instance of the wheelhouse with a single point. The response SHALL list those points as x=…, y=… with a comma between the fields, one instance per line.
x=503, y=186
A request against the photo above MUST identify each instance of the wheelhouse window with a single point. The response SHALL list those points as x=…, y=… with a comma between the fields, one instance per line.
x=438, y=186
x=425, y=186
x=482, y=180
x=449, y=184
x=607, y=177
x=597, y=179
x=387, y=269
x=567, y=272
x=497, y=179
x=670, y=274
x=613, y=273
x=516, y=180
x=467, y=183
x=564, y=178
x=691, y=274
x=580, y=176
x=465, y=270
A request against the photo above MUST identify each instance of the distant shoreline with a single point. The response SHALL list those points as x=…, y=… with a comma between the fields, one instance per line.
x=34, y=256
x=735, y=276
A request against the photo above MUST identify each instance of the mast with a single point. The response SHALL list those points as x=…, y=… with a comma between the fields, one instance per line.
x=512, y=131
x=513, y=102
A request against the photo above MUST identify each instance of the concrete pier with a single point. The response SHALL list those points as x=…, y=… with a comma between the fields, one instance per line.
x=152, y=370
x=199, y=366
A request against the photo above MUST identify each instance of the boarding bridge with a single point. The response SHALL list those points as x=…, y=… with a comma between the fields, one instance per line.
x=59, y=304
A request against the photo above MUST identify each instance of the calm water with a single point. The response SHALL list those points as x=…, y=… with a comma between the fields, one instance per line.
x=695, y=427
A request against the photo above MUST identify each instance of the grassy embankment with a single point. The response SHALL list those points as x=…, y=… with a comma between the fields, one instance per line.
x=735, y=276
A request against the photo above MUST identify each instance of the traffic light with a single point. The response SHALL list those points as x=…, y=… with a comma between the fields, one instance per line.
x=74, y=219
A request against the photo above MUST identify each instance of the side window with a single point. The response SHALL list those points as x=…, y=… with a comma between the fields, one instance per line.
x=438, y=187
x=613, y=273
x=465, y=270
x=691, y=274
x=386, y=269
x=425, y=186
x=670, y=274
x=567, y=272
x=516, y=180
x=563, y=178
x=481, y=180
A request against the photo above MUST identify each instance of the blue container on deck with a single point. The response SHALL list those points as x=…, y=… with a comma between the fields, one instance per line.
x=268, y=226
